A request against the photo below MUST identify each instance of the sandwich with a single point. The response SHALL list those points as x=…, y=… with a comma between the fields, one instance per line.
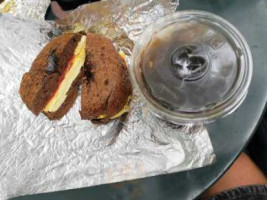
x=106, y=88
x=51, y=86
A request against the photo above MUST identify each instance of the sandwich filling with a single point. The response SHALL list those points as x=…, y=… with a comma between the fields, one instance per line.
x=125, y=109
x=70, y=74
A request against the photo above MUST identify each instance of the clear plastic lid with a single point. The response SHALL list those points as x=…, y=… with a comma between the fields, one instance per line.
x=192, y=67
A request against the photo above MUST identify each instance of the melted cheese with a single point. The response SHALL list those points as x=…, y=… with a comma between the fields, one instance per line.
x=125, y=109
x=122, y=54
x=73, y=72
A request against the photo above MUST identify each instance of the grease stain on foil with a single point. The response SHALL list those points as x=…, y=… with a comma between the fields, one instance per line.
x=25, y=9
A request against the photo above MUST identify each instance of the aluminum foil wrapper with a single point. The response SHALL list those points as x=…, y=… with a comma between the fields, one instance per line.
x=122, y=21
x=32, y=9
x=38, y=155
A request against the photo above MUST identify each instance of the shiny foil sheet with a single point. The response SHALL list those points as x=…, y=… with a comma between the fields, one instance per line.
x=122, y=21
x=32, y=9
x=38, y=155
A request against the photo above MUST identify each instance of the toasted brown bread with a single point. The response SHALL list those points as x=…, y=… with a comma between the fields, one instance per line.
x=106, y=85
x=40, y=83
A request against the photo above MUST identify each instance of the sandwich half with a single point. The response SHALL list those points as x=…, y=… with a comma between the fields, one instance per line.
x=51, y=85
x=106, y=88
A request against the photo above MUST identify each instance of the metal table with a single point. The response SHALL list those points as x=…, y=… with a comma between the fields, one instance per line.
x=229, y=135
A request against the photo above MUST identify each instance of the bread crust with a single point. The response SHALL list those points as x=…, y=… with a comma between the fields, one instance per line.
x=106, y=86
x=40, y=83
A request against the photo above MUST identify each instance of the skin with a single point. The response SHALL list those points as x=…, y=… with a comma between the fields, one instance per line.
x=244, y=172
x=57, y=10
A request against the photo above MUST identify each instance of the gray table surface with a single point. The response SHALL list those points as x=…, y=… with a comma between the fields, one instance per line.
x=229, y=135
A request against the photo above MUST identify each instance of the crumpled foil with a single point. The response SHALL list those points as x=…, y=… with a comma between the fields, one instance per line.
x=38, y=155
x=32, y=9
x=122, y=21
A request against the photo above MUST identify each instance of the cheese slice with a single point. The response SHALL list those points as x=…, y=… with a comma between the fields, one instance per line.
x=125, y=109
x=122, y=54
x=70, y=76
